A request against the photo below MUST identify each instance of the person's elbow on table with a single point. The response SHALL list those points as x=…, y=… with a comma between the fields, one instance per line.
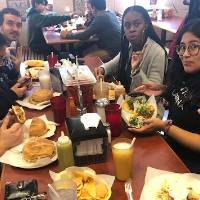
x=9, y=136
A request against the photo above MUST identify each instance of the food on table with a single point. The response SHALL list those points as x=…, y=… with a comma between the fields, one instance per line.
x=37, y=148
x=89, y=186
x=145, y=110
x=33, y=72
x=38, y=127
x=40, y=96
x=138, y=111
x=34, y=63
x=19, y=114
x=118, y=88
x=176, y=190
x=136, y=121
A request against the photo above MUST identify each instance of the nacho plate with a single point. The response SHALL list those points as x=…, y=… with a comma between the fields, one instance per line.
x=89, y=185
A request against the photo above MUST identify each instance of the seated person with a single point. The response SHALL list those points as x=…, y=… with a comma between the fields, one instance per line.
x=11, y=86
x=142, y=57
x=183, y=95
x=8, y=72
x=36, y=21
x=104, y=26
x=11, y=27
x=9, y=137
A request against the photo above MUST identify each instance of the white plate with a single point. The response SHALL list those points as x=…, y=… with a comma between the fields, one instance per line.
x=15, y=158
x=178, y=182
x=39, y=106
x=23, y=67
x=50, y=125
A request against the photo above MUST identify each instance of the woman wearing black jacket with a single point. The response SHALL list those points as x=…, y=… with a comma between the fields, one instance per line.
x=183, y=95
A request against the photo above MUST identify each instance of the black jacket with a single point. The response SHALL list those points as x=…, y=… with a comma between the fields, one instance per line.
x=184, y=100
x=7, y=99
x=36, y=21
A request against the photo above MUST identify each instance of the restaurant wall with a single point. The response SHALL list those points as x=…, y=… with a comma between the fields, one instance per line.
x=121, y=5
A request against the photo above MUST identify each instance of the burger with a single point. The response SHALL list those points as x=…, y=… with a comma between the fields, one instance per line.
x=40, y=96
x=38, y=127
x=37, y=148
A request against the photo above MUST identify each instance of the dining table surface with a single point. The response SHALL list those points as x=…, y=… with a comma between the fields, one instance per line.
x=149, y=151
x=169, y=24
x=53, y=38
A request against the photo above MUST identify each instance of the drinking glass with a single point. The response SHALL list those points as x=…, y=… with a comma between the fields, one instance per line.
x=58, y=104
x=122, y=153
x=44, y=79
x=113, y=117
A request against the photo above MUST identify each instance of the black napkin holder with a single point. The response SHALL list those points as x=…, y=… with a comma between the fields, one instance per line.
x=93, y=136
x=21, y=189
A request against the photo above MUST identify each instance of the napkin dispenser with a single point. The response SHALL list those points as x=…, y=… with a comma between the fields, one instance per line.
x=89, y=146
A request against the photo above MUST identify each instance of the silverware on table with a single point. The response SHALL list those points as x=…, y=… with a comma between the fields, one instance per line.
x=128, y=189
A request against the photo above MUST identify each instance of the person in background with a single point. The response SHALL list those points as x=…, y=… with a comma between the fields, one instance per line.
x=11, y=27
x=88, y=14
x=9, y=136
x=37, y=21
x=142, y=57
x=183, y=96
x=194, y=12
x=11, y=86
x=104, y=26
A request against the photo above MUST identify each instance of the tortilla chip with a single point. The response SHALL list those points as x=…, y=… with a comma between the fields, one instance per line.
x=101, y=191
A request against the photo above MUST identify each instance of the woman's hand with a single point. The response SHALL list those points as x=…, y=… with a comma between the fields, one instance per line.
x=9, y=137
x=151, y=89
x=150, y=125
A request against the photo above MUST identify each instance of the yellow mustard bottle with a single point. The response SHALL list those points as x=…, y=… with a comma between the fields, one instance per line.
x=65, y=152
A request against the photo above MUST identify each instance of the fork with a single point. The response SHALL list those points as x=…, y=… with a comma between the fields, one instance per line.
x=128, y=189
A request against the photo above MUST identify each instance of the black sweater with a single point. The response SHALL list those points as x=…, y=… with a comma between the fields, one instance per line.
x=184, y=100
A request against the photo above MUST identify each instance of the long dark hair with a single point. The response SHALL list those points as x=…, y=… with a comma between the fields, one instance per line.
x=149, y=32
x=176, y=67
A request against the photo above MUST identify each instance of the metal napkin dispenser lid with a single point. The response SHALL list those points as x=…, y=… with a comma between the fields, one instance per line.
x=89, y=146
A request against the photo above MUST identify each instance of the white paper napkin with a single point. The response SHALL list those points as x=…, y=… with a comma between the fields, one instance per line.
x=90, y=120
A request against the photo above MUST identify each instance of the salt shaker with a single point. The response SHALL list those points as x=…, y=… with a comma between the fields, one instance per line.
x=100, y=106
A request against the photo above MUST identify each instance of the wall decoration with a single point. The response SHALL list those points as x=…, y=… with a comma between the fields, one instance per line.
x=20, y=5
x=79, y=6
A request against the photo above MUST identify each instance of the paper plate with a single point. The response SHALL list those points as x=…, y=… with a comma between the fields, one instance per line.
x=178, y=183
x=14, y=158
x=51, y=126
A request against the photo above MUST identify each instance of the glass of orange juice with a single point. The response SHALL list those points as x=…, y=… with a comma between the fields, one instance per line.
x=122, y=152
